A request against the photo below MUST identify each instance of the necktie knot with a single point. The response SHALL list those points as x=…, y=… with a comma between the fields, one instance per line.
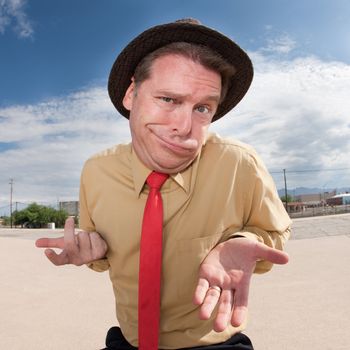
x=156, y=180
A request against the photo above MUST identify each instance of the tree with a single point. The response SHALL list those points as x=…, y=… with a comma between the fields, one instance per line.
x=6, y=220
x=37, y=216
x=289, y=198
x=60, y=217
x=20, y=217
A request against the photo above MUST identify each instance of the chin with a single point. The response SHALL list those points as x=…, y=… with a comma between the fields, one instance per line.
x=172, y=168
x=169, y=162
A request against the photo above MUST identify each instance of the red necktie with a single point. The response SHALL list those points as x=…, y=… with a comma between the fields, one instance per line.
x=151, y=265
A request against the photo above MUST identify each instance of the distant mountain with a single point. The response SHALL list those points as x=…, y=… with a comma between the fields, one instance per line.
x=314, y=190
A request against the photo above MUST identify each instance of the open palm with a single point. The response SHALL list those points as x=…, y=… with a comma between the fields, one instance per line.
x=224, y=279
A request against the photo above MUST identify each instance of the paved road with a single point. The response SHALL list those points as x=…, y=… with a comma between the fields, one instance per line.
x=303, y=305
x=29, y=233
x=312, y=227
x=321, y=226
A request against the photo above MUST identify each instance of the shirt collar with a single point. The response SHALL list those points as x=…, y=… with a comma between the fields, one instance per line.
x=140, y=173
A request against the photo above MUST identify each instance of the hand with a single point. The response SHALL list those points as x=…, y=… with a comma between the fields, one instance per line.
x=224, y=279
x=77, y=249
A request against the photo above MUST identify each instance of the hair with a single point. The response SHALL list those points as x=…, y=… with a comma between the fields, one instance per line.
x=197, y=53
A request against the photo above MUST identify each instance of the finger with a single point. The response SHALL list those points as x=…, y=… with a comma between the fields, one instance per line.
x=224, y=310
x=201, y=291
x=84, y=244
x=56, y=259
x=210, y=301
x=270, y=254
x=239, y=315
x=240, y=307
x=69, y=236
x=50, y=242
x=98, y=246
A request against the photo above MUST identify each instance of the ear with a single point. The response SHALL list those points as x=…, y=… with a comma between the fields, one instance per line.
x=129, y=95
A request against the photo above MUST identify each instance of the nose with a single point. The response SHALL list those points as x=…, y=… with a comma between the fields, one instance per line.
x=182, y=121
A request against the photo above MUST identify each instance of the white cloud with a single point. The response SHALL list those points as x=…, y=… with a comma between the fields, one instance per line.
x=296, y=115
x=12, y=13
x=282, y=44
x=268, y=27
x=51, y=140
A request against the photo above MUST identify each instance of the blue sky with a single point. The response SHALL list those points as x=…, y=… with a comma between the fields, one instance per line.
x=55, y=57
x=71, y=44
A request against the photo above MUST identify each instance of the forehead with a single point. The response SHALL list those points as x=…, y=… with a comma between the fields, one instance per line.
x=176, y=67
x=178, y=60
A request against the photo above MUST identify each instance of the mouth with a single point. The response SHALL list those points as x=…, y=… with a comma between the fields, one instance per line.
x=185, y=147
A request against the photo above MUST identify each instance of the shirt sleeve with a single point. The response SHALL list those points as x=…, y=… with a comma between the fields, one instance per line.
x=86, y=224
x=267, y=220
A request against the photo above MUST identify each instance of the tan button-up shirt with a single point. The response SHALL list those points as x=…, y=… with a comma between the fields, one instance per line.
x=227, y=191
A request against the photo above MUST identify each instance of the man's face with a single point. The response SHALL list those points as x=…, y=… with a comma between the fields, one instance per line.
x=170, y=112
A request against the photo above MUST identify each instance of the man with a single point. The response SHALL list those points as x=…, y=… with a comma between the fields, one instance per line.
x=218, y=207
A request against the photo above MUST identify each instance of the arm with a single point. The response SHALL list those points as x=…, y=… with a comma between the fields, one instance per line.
x=266, y=220
x=86, y=223
x=255, y=248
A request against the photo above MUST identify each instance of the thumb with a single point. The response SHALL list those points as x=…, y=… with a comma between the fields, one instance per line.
x=273, y=255
x=57, y=259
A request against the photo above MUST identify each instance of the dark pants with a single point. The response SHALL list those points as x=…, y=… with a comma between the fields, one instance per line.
x=116, y=341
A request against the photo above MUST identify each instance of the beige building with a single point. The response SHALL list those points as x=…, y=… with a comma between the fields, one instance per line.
x=314, y=199
x=71, y=207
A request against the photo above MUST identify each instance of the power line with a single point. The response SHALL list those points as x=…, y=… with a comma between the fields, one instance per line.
x=285, y=189
x=11, y=193
x=306, y=170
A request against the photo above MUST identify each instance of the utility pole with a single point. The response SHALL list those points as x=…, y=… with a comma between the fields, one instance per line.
x=285, y=189
x=11, y=192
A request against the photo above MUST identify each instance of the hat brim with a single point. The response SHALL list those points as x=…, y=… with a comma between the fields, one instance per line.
x=152, y=39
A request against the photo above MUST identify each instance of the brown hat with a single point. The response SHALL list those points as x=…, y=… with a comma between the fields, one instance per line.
x=181, y=31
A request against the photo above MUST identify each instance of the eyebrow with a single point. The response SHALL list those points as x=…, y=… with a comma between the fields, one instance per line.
x=215, y=98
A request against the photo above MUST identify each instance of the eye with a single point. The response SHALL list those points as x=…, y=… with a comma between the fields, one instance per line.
x=203, y=109
x=167, y=99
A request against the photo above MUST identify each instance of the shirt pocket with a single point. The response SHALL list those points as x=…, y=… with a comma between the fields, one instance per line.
x=190, y=253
